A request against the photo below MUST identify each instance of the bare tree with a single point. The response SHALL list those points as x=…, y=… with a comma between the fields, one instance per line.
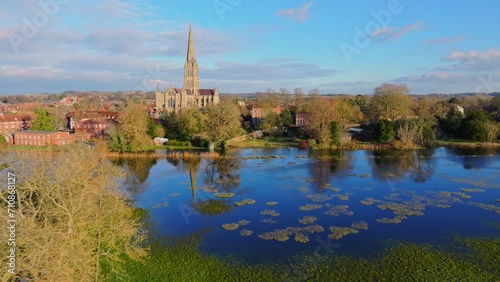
x=391, y=101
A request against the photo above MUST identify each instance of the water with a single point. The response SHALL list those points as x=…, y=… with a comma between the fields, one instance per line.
x=169, y=190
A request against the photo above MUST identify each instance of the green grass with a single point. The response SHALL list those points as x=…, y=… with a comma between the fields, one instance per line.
x=267, y=142
x=466, y=259
x=164, y=147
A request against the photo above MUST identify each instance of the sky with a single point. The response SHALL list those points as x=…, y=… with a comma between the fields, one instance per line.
x=244, y=46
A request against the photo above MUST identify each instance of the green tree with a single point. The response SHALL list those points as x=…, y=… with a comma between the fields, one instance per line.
x=222, y=122
x=384, y=131
x=286, y=117
x=43, y=121
x=151, y=129
x=336, y=133
x=131, y=135
x=475, y=126
x=391, y=101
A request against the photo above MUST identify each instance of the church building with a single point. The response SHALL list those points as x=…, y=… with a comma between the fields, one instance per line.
x=190, y=95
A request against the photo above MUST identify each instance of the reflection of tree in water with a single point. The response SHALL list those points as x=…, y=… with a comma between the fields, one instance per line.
x=477, y=158
x=222, y=173
x=329, y=163
x=137, y=172
x=397, y=165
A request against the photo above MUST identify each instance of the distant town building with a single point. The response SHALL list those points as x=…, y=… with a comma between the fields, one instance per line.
x=190, y=95
x=43, y=138
x=91, y=124
x=13, y=123
x=258, y=114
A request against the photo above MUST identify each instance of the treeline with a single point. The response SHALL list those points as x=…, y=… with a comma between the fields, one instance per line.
x=390, y=115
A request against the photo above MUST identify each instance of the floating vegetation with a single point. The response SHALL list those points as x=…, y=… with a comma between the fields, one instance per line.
x=239, y=204
x=175, y=195
x=284, y=234
x=471, y=190
x=211, y=207
x=270, y=212
x=367, y=201
x=244, y=222
x=301, y=157
x=486, y=207
x=325, y=185
x=319, y=198
x=444, y=194
x=224, y=195
x=382, y=207
x=301, y=238
x=360, y=225
x=292, y=163
x=335, y=189
x=497, y=200
x=342, y=197
x=309, y=180
x=339, y=232
x=210, y=190
x=337, y=210
x=278, y=235
x=394, y=220
x=462, y=195
x=365, y=175
x=308, y=219
x=246, y=232
x=230, y=226
x=310, y=207
x=160, y=205
x=303, y=189
x=248, y=201
x=269, y=221
x=407, y=209
x=259, y=157
x=272, y=203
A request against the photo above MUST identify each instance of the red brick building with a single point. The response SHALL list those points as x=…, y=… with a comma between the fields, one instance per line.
x=302, y=119
x=91, y=124
x=13, y=123
x=42, y=138
x=258, y=114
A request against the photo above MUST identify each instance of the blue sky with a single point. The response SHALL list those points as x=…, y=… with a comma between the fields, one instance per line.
x=246, y=46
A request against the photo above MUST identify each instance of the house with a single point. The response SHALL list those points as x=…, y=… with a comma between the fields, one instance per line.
x=258, y=114
x=91, y=124
x=160, y=141
x=13, y=123
x=43, y=138
x=302, y=119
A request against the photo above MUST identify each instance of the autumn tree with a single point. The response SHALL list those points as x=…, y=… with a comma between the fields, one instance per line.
x=131, y=135
x=391, y=101
x=76, y=224
x=322, y=114
x=222, y=122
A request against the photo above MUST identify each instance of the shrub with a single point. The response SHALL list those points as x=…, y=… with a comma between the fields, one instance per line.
x=384, y=131
x=311, y=142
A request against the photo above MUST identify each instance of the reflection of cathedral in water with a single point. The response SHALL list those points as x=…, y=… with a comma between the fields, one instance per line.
x=193, y=165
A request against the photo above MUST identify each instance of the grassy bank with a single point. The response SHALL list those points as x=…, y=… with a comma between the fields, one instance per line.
x=466, y=144
x=467, y=259
x=268, y=142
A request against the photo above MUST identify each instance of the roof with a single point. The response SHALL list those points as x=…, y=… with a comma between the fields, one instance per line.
x=206, y=92
x=8, y=118
x=38, y=132
x=92, y=114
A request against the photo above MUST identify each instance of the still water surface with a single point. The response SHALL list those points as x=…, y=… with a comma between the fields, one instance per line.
x=384, y=181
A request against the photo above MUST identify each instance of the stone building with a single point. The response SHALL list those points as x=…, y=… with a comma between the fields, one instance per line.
x=190, y=95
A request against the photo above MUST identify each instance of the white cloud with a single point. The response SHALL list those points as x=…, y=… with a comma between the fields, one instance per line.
x=490, y=54
x=300, y=14
x=385, y=32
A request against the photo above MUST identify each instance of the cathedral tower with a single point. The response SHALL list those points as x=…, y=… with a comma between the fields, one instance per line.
x=191, y=67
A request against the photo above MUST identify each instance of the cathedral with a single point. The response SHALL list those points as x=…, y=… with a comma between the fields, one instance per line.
x=190, y=95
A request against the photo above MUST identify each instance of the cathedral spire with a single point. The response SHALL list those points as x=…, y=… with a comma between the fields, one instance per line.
x=191, y=67
x=190, y=53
